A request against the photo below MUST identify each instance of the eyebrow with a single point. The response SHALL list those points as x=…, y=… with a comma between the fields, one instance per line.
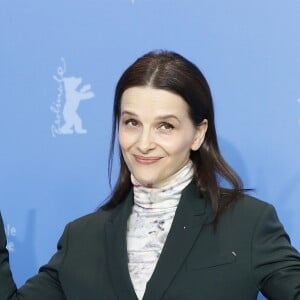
x=163, y=117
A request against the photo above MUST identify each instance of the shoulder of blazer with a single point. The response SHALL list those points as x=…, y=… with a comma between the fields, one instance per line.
x=247, y=210
x=100, y=217
x=249, y=203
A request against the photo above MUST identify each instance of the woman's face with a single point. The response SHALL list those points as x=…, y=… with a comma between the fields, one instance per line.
x=156, y=133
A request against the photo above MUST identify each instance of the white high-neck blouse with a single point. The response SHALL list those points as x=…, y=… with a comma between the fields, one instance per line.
x=149, y=224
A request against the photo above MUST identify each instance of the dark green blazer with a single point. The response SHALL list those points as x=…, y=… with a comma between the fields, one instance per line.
x=249, y=251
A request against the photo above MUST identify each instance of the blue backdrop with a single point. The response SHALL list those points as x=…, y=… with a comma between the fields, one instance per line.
x=57, y=56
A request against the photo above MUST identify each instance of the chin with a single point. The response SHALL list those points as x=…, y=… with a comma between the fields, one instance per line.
x=146, y=181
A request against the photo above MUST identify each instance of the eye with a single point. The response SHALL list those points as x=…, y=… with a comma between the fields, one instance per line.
x=131, y=122
x=166, y=126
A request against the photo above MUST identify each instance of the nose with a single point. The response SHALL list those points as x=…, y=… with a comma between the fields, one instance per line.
x=145, y=142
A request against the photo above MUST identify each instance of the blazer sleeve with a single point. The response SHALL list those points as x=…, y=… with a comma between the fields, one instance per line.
x=45, y=285
x=275, y=262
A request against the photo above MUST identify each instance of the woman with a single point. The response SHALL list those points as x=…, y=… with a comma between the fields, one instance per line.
x=169, y=230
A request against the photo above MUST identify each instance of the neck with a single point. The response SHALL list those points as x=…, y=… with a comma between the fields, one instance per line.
x=165, y=194
x=185, y=172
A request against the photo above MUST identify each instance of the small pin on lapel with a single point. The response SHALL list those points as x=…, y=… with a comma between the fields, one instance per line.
x=233, y=253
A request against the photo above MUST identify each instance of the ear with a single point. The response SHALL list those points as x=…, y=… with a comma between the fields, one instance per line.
x=199, y=135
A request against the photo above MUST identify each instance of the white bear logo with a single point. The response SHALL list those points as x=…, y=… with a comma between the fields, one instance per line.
x=70, y=96
x=73, y=97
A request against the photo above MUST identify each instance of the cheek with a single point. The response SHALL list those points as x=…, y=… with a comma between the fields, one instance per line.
x=122, y=141
x=177, y=145
x=127, y=143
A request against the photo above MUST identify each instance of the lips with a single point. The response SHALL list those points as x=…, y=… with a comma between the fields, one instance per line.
x=146, y=160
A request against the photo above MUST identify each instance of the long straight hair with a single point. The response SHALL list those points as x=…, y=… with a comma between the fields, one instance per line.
x=172, y=72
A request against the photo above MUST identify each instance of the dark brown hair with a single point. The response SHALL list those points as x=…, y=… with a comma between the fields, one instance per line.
x=172, y=72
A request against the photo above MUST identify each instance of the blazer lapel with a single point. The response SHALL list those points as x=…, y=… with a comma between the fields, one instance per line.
x=188, y=220
x=117, y=256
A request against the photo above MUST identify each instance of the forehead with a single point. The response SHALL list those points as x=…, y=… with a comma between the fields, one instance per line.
x=151, y=101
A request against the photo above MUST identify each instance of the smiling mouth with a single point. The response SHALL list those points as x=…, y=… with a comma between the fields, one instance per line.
x=146, y=160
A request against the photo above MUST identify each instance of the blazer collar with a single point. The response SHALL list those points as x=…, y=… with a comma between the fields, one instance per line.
x=116, y=230
x=188, y=221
